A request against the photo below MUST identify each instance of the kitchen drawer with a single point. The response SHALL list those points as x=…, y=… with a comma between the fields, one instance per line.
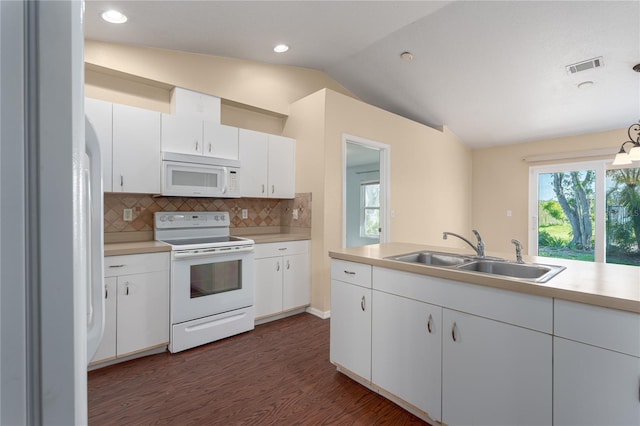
x=351, y=272
x=135, y=264
x=606, y=328
x=281, y=249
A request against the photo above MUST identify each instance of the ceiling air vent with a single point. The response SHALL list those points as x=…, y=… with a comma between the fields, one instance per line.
x=585, y=65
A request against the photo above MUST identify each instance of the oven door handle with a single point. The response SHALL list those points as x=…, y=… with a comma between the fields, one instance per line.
x=186, y=254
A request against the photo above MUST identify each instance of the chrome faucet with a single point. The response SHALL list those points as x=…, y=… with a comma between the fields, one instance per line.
x=479, y=248
x=518, y=245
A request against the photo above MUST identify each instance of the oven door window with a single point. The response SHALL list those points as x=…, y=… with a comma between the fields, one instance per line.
x=214, y=278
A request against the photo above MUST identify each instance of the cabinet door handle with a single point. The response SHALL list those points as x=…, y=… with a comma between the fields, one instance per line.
x=429, y=324
x=116, y=266
x=106, y=292
x=121, y=180
x=282, y=248
x=278, y=266
x=288, y=265
x=454, y=334
x=263, y=188
x=209, y=147
x=349, y=272
x=126, y=289
x=273, y=189
x=197, y=145
x=362, y=303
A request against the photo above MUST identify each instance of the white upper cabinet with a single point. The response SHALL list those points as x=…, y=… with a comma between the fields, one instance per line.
x=99, y=113
x=188, y=103
x=254, y=148
x=268, y=165
x=282, y=167
x=192, y=135
x=220, y=140
x=136, y=150
x=181, y=134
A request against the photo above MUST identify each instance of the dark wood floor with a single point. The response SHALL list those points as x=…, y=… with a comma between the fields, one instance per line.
x=278, y=374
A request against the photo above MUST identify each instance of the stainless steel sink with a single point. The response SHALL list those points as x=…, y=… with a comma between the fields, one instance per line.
x=432, y=258
x=526, y=271
x=533, y=272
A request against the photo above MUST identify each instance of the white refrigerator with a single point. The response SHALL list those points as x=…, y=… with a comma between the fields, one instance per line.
x=50, y=234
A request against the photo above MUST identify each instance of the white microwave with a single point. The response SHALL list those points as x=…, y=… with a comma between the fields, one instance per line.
x=187, y=175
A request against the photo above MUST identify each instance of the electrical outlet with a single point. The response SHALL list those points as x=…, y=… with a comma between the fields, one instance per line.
x=127, y=215
x=295, y=213
x=245, y=213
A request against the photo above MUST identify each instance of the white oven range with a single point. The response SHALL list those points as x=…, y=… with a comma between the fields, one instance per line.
x=212, y=277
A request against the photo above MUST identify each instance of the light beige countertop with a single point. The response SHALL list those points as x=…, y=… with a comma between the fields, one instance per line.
x=599, y=284
x=138, y=247
x=275, y=238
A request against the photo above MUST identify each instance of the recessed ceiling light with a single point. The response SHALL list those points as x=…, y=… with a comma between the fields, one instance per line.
x=585, y=84
x=406, y=56
x=281, y=48
x=115, y=17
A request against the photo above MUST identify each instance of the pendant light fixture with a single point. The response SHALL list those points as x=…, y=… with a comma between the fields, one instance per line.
x=622, y=157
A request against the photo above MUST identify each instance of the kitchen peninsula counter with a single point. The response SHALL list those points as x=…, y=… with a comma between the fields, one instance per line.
x=599, y=284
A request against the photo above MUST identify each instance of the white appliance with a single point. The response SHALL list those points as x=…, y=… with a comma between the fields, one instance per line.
x=93, y=210
x=49, y=232
x=187, y=175
x=212, y=277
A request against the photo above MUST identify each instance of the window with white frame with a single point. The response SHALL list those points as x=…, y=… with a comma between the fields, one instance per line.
x=370, y=209
x=585, y=211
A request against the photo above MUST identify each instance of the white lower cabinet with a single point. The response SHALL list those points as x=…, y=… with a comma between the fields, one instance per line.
x=406, y=350
x=494, y=373
x=491, y=365
x=594, y=386
x=596, y=366
x=351, y=328
x=283, y=277
x=136, y=305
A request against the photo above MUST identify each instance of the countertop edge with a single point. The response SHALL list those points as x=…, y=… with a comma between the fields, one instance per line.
x=504, y=283
x=153, y=246
x=140, y=247
x=276, y=238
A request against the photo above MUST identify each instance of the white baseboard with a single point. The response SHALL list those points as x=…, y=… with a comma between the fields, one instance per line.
x=319, y=313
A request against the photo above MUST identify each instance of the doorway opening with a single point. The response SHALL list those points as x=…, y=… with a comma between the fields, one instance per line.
x=365, y=192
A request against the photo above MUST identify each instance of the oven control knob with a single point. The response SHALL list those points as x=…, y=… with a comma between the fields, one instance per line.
x=216, y=218
x=171, y=218
x=163, y=218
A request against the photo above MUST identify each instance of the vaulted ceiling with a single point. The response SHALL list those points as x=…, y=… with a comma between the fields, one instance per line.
x=494, y=72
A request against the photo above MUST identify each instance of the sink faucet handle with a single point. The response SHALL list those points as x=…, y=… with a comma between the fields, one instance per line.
x=480, y=249
x=518, y=245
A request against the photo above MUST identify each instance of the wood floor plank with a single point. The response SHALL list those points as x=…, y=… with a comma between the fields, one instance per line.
x=277, y=374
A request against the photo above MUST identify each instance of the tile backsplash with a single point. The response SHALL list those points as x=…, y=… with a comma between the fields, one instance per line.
x=261, y=212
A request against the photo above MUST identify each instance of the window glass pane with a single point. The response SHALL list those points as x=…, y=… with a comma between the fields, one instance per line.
x=372, y=195
x=372, y=222
x=370, y=210
x=566, y=209
x=623, y=216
